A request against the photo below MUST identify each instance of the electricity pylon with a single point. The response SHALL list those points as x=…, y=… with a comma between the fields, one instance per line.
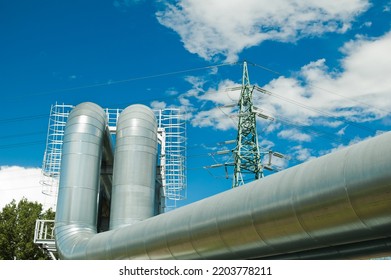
x=247, y=158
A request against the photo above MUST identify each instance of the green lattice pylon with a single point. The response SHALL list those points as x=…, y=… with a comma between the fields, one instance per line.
x=247, y=158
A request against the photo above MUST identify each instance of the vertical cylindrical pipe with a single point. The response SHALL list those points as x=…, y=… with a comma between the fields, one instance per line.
x=76, y=214
x=133, y=192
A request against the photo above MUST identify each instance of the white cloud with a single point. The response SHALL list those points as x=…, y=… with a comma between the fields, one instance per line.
x=387, y=7
x=355, y=140
x=266, y=144
x=171, y=92
x=271, y=126
x=222, y=95
x=367, y=24
x=326, y=100
x=158, y=105
x=359, y=92
x=302, y=154
x=294, y=134
x=342, y=131
x=218, y=118
x=17, y=182
x=225, y=28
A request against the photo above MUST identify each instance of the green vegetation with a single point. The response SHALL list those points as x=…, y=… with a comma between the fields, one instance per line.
x=17, y=225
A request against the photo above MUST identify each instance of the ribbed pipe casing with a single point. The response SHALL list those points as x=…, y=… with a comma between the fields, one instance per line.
x=338, y=199
x=76, y=214
x=134, y=172
x=341, y=200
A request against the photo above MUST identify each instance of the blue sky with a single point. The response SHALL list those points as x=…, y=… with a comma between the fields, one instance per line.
x=326, y=65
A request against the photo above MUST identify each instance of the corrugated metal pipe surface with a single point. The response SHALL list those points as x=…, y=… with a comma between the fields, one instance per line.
x=133, y=193
x=76, y=214
x=339, y=200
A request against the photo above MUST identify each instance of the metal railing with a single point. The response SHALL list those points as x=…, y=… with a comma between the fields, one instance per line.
x=172, y=157
x=44, y=237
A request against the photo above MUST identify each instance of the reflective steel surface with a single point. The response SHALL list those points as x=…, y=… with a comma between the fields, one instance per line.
x=135, y=158
x=341, y=200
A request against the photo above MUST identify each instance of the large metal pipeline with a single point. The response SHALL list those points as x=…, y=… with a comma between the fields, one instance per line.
x=325, y=207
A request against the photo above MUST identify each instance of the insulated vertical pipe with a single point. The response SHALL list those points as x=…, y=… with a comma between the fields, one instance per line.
x=76, y=215
x=133, y=194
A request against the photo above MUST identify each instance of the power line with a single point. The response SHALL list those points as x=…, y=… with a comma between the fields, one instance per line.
x=22, y=134
x=265, y=68
x=24, y=118
x=23, y=144
x=350, y=99
x=40, y=116
x=109, y=83
x=321, y=112
x=18, y=145
x=311, y=85
x=312, y=130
